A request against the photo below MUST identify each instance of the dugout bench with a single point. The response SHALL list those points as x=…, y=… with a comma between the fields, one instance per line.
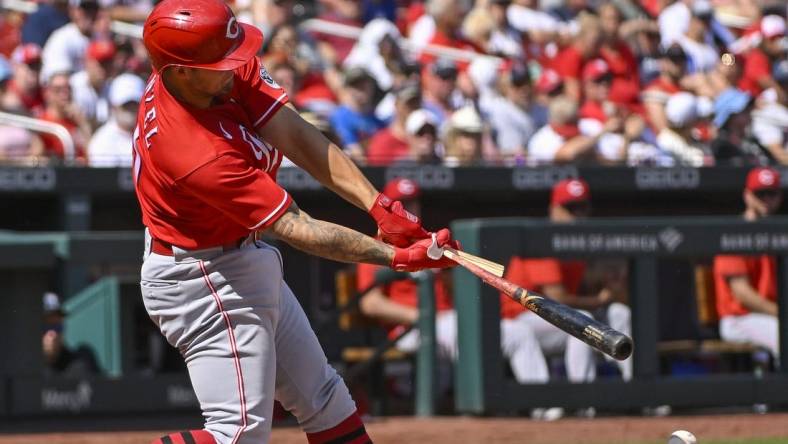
x=371, y=357
x=480, y=384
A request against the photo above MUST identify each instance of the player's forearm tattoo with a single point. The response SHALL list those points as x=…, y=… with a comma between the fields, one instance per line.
x=329, y=240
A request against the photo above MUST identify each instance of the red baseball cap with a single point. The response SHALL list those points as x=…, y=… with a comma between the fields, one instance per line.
x=595, y=70
x=27, y=53
x=101, y=50
x=549, y=81
x=402, y=189
x=763, y=178
x=570, y=190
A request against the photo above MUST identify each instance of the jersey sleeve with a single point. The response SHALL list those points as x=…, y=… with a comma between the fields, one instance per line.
x=729, y=266
x=247, y=195
x=545, y=271
x=365, y=275
x=258, y=93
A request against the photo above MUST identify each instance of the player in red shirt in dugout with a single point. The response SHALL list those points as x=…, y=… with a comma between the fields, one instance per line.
x=212, y=130
x=746, y=286
x=396, y=305
x=561, y=280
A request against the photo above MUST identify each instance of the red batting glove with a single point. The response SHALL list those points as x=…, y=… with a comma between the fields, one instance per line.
x=396, y=226
x=414, y=257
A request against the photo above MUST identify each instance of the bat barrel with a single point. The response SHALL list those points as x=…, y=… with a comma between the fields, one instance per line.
x=620, y=346
x=593, y=333
x=588, y=330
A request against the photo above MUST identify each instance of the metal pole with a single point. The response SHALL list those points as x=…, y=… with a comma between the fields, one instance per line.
x=426, y=356
x=782, y=310
x=643, y=286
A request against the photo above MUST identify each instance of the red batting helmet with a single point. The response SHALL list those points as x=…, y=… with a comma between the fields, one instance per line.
x=199, y=34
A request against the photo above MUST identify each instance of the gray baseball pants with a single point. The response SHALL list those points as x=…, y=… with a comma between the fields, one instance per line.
x=245, y=339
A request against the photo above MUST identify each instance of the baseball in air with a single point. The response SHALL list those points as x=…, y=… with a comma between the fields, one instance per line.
x=682, y=437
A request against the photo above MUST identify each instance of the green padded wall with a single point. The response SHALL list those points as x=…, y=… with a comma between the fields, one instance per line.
x=93, y=319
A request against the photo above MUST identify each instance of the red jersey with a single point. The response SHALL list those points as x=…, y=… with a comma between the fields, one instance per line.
x=756, y=67
x=34, y=103
x=761, y=271
x=592, y=110
x=202, y=176
x=404, y=292
x=534, y=274
x=625, y=87
x=569, y=63
x=52, y=145
x=386, y=148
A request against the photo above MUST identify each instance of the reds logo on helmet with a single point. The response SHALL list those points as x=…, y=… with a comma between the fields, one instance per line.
x=200, y=34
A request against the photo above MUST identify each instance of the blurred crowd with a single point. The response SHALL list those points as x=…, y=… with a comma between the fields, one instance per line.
x=453, y=82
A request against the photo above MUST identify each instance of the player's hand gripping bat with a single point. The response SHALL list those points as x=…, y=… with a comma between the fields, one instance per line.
x=590, y=331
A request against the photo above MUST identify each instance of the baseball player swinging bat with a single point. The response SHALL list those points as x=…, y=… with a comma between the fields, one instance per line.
x=590, y=331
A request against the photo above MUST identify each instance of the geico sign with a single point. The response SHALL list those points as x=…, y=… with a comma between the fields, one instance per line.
x=294, y=178
x=27, y=179
x=667, y=178
x=542, y=178
x=428, y=177
x=125, y=181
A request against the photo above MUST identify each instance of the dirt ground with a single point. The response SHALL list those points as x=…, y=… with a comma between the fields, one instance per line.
x=462, y=430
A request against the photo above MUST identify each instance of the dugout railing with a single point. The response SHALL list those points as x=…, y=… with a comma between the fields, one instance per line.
x=481, y=385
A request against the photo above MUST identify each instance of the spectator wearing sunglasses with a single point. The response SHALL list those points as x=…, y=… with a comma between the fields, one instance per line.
x=422, y=137
x=440, y=93
x=60, y=108
x=390, y=144
x=354, y=121
x=59, y=359
x=510, y=115
x=746, y=286
x=735, y=143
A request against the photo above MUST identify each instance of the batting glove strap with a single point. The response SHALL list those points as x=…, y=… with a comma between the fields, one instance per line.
x=415, y=258
x=396, y=225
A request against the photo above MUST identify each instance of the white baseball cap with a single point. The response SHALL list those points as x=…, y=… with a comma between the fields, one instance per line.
x=681, y=109
x=701, y=8
x=419, y=119
x=466, y=119
x=772, y=26
x=126, y=88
